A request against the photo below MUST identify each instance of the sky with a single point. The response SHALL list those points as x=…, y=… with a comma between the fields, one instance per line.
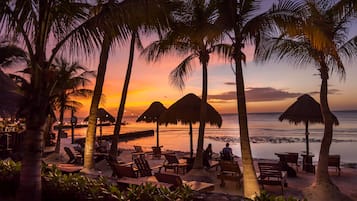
x=270, y=87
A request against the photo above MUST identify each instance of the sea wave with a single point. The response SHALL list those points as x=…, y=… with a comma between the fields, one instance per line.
x=274, y=140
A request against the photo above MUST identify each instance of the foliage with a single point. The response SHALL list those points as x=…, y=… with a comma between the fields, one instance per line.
x=150, y=192
x=264, y=196
x=9, y=176
x=77, y=187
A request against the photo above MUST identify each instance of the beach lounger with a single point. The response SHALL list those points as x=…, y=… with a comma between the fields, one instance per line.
x=176, y=182
x=122, y=169
x=144, y=168
x=272, y=174
x=156, y=152
x=335, y=161
x=230, y=170
x=73, y=158
x=65, y=168
x=171, y=162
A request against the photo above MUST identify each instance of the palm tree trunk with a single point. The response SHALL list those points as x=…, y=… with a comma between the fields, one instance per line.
x=58, y=142
x=322, y=176
x=250, y=182
x=114, y=146
x=30, y=176
x=198, y=164
x=90, y=136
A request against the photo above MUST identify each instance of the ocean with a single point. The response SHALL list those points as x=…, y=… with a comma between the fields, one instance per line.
x=268, y=135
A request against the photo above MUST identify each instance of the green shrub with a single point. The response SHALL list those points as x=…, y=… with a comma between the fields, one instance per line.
x=76, y=187
x=150, y=192
x=9, y=177
x=264, y=196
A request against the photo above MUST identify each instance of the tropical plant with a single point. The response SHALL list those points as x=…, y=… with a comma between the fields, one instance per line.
x=154, y=18
x=320, y=38
x=70, y=79
x=121, y=19
x=10, y=53
x=194, y=33
x=245, y=22
x=39, y=25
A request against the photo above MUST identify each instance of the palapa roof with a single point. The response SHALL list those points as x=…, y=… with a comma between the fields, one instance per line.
x=187, y=110
x=103, y=115
x=153, y=113
x=305, y=108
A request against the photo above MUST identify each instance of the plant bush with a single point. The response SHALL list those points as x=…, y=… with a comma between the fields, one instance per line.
x=76, y=187
x=9, y=177
x=264, y=196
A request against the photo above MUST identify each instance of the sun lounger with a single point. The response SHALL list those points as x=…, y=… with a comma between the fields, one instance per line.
x=230, y=170
x=138, y=152
x=272, y=174
x=176, y=181
x=335, y=161
x=73, y=158
x=171, y=162
x=63, y=167
x=144, y=168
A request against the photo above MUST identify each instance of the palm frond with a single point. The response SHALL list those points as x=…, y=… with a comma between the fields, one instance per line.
x=181, y=72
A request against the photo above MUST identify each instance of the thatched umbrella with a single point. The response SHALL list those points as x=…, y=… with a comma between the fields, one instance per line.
x=306, y=110
x=10, y=95
x=152, y=114
x=103, y=116
x=187, y=111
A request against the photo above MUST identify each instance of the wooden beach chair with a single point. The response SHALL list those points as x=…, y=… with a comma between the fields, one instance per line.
x=138, y=152
x=144, y=168
x=176, y=182
x=121, y=169
x=272, y=174
x=156, y=152
x=335, y=161
x=230, y=170
x=171, y=162
x=73, y=158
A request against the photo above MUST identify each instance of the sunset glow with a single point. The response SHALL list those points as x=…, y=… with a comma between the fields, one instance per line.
x=270, y=87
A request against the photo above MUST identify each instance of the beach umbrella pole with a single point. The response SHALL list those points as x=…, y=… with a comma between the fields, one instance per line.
x=157, y=133
x=307, y=137
x=101, y=131
x=191, y=144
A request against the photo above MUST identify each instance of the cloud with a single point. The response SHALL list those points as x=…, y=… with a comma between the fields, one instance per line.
x=256, y=94
x=230, y=83
x=331, y=92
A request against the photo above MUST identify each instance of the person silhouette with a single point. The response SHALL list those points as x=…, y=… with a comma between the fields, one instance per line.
x=226, y=153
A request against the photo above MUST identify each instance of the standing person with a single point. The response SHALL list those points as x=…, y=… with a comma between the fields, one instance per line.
x=207, y=155
x=227, y=153
x=209, y=151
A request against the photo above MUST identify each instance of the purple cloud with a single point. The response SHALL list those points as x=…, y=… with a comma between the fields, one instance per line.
x=256, y=94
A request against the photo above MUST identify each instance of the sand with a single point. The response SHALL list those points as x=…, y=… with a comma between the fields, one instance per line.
x=346, y=182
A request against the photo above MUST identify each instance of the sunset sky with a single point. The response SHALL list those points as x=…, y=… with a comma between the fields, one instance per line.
x=270, y=87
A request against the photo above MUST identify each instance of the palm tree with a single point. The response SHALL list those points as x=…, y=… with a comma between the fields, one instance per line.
x=154, y=18
x=70, y=78
x=120, y=21
x=244, y=23
x=39, y=25
x=196, y=34
x=321, y=38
